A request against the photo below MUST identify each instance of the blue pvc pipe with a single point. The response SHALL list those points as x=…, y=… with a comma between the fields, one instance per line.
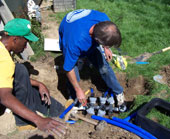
x=122, y=126
x=142, y=62
x=91, y=90
x=68, y=109
x=134, y=127
x=105, y=94
x=130, y=116
x=71, y=121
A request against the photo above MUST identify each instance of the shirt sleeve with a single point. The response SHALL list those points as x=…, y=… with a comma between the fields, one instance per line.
x=7, y=69
x=70, y=59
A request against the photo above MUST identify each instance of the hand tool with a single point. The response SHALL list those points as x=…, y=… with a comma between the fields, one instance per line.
x=146, y=56
x=98, y=125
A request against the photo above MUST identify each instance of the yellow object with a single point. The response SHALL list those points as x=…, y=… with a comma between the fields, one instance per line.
x=69, y=102
x=7, y=68
x=26, y=127
x=120, y=62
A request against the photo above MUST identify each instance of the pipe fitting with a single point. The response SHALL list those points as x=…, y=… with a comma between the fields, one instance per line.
x=103, y=100
x=111, y=100
x=90, y=111
x=92, y=100
x=101, y=113
x=122, y=108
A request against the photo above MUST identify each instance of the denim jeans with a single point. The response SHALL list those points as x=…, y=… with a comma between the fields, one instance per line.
x=30, y=97
x=100, y=63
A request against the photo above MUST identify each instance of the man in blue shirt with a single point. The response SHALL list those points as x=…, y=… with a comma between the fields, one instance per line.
x=81, y=32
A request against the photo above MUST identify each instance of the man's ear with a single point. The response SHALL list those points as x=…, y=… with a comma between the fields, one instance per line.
x=14, y=39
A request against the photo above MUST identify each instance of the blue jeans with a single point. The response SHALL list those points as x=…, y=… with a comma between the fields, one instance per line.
x=30, y=96
x=100, y=63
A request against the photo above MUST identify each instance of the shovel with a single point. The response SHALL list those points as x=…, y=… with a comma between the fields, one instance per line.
x=146, y=56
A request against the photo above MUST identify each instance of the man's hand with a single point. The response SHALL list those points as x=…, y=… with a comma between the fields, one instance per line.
x=108, y=53
x=79, y=92
x=81, y=97
x=44, y=124
x=52, y=126
x=45, y=95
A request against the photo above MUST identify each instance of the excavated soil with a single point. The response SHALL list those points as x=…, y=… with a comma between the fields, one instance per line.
x=165, y=72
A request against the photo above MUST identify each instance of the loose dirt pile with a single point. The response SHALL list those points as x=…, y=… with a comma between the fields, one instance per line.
x=165, y=72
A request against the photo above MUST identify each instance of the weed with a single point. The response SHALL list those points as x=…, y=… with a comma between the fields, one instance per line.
x=38, y=47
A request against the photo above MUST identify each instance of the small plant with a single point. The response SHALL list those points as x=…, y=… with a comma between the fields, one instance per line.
x=38, y=47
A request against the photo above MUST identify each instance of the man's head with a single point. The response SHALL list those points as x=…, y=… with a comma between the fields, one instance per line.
x=16, y=34
x=107, y=34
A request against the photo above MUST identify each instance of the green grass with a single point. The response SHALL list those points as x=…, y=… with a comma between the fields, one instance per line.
x=159, y=116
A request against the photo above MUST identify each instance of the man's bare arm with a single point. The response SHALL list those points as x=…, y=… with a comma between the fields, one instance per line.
x=79, y=92
x=44, y=124
x=44, y=92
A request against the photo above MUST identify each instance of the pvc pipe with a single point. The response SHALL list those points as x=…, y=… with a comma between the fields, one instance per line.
x=134, y=127
x=101, y=112
x=130, y=117
x=68, y=109
x=90, y=110
x=71, y=121
x=122, y=126
x=110, y=100
x=92, y=100
x=142, y=62
x=92, y=92
x=102, y=100
x=105, y=94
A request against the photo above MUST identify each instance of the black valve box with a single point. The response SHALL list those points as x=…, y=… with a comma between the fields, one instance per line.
x=152, y=127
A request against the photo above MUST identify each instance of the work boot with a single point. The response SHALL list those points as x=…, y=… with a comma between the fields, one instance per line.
x=121, y=102
x=120, y=99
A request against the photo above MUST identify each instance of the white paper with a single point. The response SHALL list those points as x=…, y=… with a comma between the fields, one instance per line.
x=51, y=44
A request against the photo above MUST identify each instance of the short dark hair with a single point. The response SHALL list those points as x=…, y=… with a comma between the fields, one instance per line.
x=107, y=33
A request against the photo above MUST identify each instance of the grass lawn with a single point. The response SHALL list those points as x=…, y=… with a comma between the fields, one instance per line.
x=145, y=27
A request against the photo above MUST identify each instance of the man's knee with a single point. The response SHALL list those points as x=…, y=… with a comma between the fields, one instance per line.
x=20, y=70
x=103, y=70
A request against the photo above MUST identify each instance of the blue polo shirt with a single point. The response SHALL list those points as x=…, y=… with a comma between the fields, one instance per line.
x=74, y=38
